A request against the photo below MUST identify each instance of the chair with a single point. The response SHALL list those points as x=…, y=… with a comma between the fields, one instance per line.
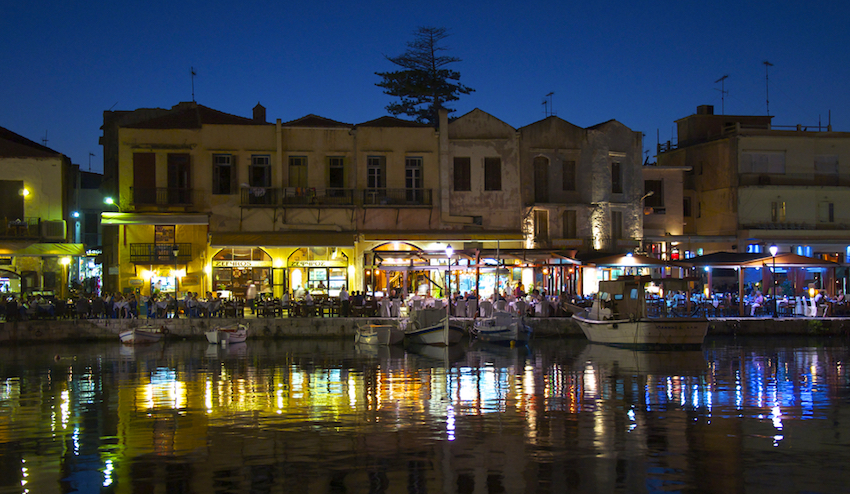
x=460, y=308
x=385, y=308
x=472, y=307
x=417, y=304
x=486, y=308
x=396, y=308
x=500, y=305
x=519, y=305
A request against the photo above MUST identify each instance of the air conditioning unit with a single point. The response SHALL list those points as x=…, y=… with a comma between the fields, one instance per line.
x=53, y=230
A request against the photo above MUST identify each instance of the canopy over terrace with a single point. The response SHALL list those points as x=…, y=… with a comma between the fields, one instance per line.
x=553, y=265
x=610, y=267
x=796, y=267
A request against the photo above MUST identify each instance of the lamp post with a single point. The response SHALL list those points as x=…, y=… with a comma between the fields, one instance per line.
x=175, y=251
x=449, y=252
x=773, y=250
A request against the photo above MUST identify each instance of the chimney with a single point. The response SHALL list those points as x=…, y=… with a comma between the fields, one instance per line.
x=705, y=110
x=259, y=113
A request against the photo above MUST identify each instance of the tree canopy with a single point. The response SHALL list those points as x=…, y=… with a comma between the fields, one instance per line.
x=424, y=84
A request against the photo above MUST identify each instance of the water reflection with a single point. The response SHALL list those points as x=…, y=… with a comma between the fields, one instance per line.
x=330, y=416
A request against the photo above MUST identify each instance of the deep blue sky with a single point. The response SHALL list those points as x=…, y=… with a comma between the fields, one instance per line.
x=645, y=64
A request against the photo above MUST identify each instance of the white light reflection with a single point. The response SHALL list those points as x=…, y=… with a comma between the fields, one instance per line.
x=739, y=391
x=65, y=408
x=450, y=422
x=631, y=414
x=208, y=396
x=352, y=393
x=75, y=437
x=695, y=399
x=776, y=416
x=107, y=474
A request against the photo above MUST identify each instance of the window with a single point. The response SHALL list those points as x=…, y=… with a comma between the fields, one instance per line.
x=492, y=173
x=569, y=178
x=777, y=212
x=762, y=162
x=462, y=174
x=616, y=225
x=179, y=178
x=12, y=200
x=375, y=171
x=413, y=179
x=616, y=178
x=656, y=200
x=223, y=174
x=260, y=174
x=686, y=207
x=570, y=227
x=541, y=179
x=826, y=169
x=541, y=225
x=336, y=172
x=298, y=171
x=826, y=212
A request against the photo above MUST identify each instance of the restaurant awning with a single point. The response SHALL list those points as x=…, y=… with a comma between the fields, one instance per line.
x=42, y=249
x=282, y=239
x=109, y=218
x=790, y=260
x=634, y=261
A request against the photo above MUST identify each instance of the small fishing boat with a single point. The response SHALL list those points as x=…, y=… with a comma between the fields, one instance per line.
x=432, y=327
x=379, y=334
x=620, y=316
x=142, y=335
x=228, y=334
x=502, y=327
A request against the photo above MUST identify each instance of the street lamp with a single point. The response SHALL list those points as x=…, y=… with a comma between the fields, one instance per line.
x=773, y=250
x=449, y=252
x=175, y=251
x=111, y=202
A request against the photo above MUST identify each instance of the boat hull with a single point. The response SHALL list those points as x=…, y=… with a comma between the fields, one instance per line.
x=645, y=332
x=141, y=336
x=491, y=330
x=437, y=334
x=227, y=335
x=379, y=334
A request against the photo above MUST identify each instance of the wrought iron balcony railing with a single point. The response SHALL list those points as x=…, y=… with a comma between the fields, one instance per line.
x=165, y=196
x=397, y=197
x=160, y=253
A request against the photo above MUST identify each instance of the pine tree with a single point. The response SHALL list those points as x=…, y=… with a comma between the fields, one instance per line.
x=425, y=84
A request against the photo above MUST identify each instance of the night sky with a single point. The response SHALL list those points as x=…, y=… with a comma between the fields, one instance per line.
x=645, y=64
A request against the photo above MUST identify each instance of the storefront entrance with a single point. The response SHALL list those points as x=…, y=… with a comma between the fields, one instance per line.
x=234, y=269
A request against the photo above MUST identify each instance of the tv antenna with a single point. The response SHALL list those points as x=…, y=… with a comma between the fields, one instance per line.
x=766, y=87
x=192, y=70
x=44, y=139
x=548, y=109
x=90, y=155
x=723, y=93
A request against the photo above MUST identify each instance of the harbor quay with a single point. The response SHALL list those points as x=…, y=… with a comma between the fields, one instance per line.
x=56, y=330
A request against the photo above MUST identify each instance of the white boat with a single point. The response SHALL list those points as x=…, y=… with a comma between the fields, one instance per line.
x=228, y=334
x=502, y=327
x=379, y=334
x=432, y=327
x=619, y=316
x=142, y=335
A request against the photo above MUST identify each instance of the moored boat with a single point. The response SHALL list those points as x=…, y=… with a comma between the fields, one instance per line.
x=502, y=327
x=142, y=335
x=379, y=334
x=432, y=327
x=619, y=316
x=228, y=334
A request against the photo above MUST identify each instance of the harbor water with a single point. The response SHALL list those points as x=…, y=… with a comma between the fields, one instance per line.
x=739, y=415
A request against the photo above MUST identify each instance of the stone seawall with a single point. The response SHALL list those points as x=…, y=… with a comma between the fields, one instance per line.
x=341, y=327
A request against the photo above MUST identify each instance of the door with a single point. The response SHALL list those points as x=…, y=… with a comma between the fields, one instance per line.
x=179, y=177
x=144, y=178
x=541, y=179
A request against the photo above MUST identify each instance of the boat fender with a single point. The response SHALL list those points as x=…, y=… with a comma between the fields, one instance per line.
x=267, y=331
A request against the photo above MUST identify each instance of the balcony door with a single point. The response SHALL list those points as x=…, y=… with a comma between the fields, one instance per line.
x=541, y=180
x=144, y=178
x=179, y=178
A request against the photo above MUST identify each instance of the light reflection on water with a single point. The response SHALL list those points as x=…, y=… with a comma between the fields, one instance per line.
x=328, y=416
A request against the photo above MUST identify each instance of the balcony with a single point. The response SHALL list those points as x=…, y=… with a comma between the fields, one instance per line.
x=794, y=179
x=397, y=197
x=165, y=196
x=295, y=196
x=160, y=253
x=33, y=229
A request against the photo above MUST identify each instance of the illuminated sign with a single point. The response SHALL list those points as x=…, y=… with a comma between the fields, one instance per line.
x=241, y=264
x=317, y=264
x=94, y=252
